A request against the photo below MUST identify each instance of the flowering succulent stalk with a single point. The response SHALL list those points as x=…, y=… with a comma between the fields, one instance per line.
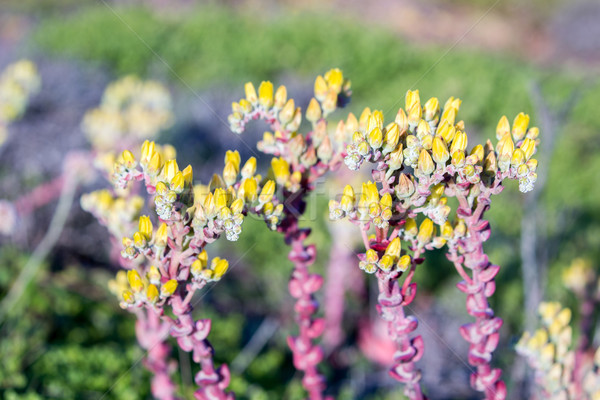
x=562, y=372
x=421, y=157
x=299, y=161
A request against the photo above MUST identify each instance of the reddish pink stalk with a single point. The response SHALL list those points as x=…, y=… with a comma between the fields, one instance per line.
x=391, y=302
x=482, y=334
x=152, y=334
x=40, y=196
x=302, y=286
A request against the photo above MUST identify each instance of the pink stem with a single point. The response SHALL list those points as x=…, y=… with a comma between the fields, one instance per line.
x=302, y=286
x=152, y=333
x=482, y=334
x=192, y=337
x=40, y=196
x=391, y=302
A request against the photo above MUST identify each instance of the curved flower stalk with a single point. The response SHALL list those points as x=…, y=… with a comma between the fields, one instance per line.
x=562, y=372
x=565, y=369
x=420, y=159
x=299, y=161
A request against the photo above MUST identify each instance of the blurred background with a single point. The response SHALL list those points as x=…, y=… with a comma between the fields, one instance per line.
x=67, y=338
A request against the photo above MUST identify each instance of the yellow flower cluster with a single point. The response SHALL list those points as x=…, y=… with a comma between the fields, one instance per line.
x=579, y=275
x=135, y=289
x=330, y=90
x=391, y=260
x=117, y=213
x=549, y=351
x=131, y=110
x=18, y=82
x=430, y=141
x=202, y=271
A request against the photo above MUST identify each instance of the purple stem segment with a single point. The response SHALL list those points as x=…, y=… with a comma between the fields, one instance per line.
x=391, y=302
x=302, y=286
x=152, y=334
x=483, y=334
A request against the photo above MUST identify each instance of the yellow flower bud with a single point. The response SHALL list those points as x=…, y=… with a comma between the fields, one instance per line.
x=188, y=175
x=237, y=206
x=415, y=113
x=321, y=88
x=325, y=150
x=230, y=173
x=145, y=226
x=412, y=98
x=426, y=231
x=170, y=169
x=425, y=163
x=393, y=248
x=128, y=297
x=432, y=107
x=490, y=164
x=234, y=158
x=245, y=106
x=518, y=157
x=219, y=267
x=364, y=116
x=313, y=112
x=386, y=263
x=427, y=142
x=287, y=112
x=503, y=127
x=330, y=103
x=533, y=132
x=168, y=288
x=386, y=201
x=440, y=151
x=281, y=169
x=371, y=256
x=178, y=182
x=280, y=97
x=528, y=147
x=423, y=129
x=135, y=280
x=162, y=233
x=220, y=198
x=446, y=131
x=152, y=293
x=402, y=120
x=265, y=94
x=405, y=187
x=248, y=190
x=447, y=230
x=139, y=240
x=410, y=227
x=375, y=138
x=154, y=274
x=267, y=192
x=520, y=125
x=396, y=158
x=459, y=143
x=449, y=116
x=128, y=158
x=403, y=263
x=505, y=147
x=250, y=92
x=148, y=151
x=335, y=79
x=155, y=164
x=392, y=137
